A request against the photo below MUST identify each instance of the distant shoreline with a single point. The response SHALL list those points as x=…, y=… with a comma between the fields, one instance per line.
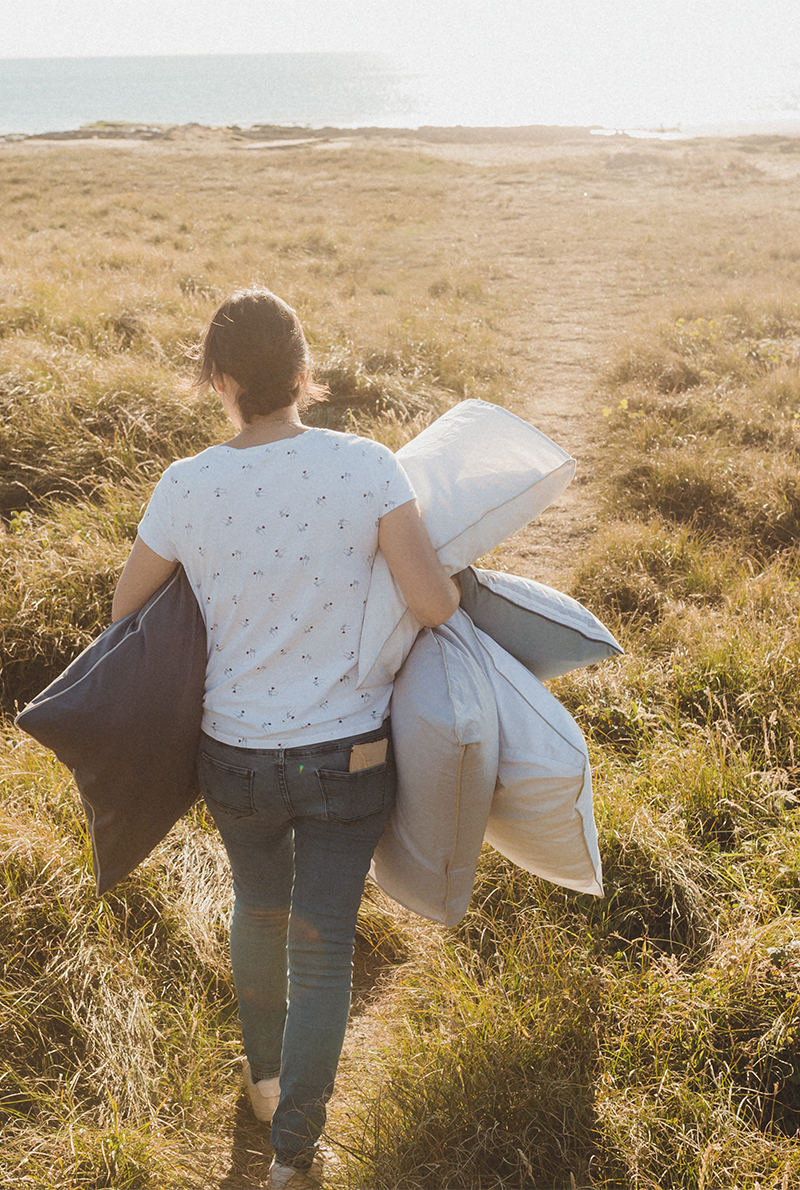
x=290, y=135
x=125, y=130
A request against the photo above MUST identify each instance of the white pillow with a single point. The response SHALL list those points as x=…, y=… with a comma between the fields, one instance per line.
x=541, y=815
x=444, y=729
x=480, y=474
x=549, y=632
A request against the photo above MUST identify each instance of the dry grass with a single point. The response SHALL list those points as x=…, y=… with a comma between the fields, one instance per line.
x=645, y=1040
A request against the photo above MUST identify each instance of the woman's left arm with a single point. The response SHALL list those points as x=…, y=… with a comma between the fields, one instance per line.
x=143, y=574
x=405, y=543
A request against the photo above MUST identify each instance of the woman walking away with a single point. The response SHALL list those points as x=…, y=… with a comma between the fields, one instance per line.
x=277, y=530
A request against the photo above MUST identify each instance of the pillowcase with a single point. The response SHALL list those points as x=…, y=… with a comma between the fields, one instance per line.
x=445, y=736
x=125, y=717
x=480, y=474
x=541, y=815
x=549, y=632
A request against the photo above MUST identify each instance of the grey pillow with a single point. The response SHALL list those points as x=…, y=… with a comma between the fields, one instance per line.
x=549, y=632
x=124, y=716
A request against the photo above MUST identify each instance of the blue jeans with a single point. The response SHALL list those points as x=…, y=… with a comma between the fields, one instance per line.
x=300, y=830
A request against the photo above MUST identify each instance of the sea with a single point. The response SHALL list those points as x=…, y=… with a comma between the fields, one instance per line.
x=351, y=90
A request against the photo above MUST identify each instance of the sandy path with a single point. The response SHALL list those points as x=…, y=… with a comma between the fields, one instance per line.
x=564, y=231
x=559, y=328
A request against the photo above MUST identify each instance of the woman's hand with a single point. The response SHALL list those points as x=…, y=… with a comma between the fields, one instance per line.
x=143, y=574
x=431, y=596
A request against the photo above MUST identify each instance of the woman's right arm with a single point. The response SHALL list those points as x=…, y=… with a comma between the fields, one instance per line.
x=430, y=594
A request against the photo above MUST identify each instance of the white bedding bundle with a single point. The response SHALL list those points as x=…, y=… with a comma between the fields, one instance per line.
x=483, y=749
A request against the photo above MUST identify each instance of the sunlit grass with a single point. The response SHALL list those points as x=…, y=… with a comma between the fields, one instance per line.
x=648, y=1039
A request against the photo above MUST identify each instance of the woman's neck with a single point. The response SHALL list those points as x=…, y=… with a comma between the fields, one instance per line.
x=272, y=427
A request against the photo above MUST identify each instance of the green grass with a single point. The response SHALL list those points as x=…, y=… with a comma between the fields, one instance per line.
x=706, y=416
x=497, y=1052
x=102, y=998
x=60, y=442
x=59, y=570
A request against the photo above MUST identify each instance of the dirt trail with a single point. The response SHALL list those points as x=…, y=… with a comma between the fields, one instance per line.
x=577, y=324
x=559, y=370
x=564, y=329
x=560, y=331
x=564, y=234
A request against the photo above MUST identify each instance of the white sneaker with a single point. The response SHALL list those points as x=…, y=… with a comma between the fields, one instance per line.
x=286, y=1177
x=264, y=1095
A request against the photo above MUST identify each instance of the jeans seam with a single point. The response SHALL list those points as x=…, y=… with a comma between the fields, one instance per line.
x=282, y=783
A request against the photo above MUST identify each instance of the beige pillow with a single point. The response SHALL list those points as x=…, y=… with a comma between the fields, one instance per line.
x=444, y=728
x=480, y=474
x=541, y=815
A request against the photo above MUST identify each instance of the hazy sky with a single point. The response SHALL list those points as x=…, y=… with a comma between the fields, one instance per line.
x=655, y=52
x=663, y=33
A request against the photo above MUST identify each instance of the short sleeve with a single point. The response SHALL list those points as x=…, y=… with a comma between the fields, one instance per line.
x=396, y=487
x=156, y=526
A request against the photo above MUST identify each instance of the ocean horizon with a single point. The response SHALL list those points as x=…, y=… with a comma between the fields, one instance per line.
x=351, y=90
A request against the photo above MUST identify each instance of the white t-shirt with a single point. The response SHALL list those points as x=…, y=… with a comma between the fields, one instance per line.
x=278, y=543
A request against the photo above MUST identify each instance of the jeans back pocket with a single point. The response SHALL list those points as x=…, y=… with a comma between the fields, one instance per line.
x=226, y=787
x=350, y=796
